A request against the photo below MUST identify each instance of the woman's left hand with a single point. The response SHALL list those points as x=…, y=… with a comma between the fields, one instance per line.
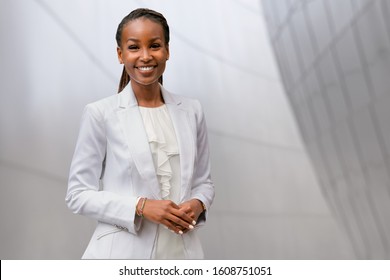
x=192, y=208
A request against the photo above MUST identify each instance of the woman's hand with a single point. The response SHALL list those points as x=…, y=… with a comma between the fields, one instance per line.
x=169, y=214
x=193, y=208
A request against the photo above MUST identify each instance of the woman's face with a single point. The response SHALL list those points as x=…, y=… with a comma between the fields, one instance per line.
x=143, y=51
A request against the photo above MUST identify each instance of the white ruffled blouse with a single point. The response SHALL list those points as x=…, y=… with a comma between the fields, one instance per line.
x=165, y=152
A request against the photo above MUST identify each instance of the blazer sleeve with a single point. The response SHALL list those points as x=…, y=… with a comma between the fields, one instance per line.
x=202, y=185
x=84, y=195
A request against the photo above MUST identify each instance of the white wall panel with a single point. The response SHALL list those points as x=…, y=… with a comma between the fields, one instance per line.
x=345, y=92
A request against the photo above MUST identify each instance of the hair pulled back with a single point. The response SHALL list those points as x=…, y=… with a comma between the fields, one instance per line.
x=135, y=14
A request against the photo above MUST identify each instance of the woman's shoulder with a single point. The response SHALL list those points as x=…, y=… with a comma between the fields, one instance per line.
x=102, y=107
x=182, y=100
x=106, y=102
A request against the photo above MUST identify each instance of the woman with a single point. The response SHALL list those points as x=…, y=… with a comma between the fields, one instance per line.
x=141, y=164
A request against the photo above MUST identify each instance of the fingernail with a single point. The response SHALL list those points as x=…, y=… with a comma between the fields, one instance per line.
x=194, y=222
x=173, y=231
x=191, y=227
x=180, y=232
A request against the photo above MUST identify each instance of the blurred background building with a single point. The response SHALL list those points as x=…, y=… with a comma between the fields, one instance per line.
x=334, y=61
x=300, y=160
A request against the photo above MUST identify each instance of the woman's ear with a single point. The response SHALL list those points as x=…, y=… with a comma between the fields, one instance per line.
x=167, y=46
x=119, y=52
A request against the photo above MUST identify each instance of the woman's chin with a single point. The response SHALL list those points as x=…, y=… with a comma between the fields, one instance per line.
x=144, y=82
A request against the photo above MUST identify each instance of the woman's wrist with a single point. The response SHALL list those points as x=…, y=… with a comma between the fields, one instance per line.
x=198, y=205
x=139, y=209
x=202, y=205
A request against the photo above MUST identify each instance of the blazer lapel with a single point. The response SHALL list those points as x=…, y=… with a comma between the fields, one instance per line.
x=181, y=123
x=132, y=125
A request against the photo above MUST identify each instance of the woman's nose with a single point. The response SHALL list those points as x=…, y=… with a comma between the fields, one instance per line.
x=145, y=56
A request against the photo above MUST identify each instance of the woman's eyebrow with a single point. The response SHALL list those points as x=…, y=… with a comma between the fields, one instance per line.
x=137, y=40
x=133, y=39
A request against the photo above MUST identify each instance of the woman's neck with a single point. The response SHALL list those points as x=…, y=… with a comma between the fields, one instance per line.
x=148, y=95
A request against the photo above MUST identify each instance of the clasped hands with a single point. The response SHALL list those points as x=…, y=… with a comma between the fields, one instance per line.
x=177, y=218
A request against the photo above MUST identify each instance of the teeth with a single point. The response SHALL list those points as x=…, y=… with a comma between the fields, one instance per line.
x=145, y=68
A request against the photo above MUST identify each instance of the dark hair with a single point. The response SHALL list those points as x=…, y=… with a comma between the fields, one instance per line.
x=138, y=13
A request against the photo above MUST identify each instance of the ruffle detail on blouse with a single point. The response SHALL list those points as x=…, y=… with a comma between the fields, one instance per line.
x=162, y=143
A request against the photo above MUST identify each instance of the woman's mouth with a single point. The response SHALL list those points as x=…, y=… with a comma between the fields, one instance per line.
x=145, y=68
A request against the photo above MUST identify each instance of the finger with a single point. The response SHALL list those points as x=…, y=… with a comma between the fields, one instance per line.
x=179, y=222
x=185, y=231
x=177, y=216
x=186, y=207
x=172, y=227
x=184, y=217
x=183, y=221
x=181, y=230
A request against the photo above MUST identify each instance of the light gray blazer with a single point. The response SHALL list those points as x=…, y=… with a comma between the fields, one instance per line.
x=112, y=166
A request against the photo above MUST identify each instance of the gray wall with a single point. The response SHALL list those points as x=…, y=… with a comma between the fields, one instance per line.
x=334, y=58
x=56, y=56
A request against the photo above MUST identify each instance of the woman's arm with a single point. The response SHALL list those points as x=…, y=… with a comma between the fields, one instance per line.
x=84, y=195
x=202, y=192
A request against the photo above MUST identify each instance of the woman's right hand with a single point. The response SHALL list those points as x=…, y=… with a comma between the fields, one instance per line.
x=167, y=213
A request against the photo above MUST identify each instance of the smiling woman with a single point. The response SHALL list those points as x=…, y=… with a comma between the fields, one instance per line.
x=141, y=165
x=160, y=31
x=144, y=50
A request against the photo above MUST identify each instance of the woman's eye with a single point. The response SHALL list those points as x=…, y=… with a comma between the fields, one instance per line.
x=132, y=47
x=155, y=46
